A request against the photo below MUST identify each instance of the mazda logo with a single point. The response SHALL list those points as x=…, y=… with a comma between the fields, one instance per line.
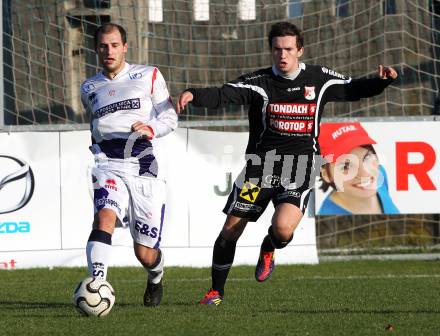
x=23, y=172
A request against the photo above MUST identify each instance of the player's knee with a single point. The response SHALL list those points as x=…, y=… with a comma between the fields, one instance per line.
x=229, y=234
x=282, y=232
x=149, y=260
x=280, y=239
x=105, y=220
x=233, y=228
x=146, y=256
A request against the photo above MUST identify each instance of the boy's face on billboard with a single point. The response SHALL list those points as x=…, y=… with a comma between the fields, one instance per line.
x=355, y=174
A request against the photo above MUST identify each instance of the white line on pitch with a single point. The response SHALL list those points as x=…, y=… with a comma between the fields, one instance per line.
x=317, y=277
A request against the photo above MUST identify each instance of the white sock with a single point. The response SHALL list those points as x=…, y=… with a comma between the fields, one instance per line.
x=155, y=273
x=98, y=258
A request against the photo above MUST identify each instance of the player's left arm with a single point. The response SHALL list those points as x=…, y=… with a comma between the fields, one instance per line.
x=369, y=87
x=356, y=89
x=165, y=120
x=386, y=72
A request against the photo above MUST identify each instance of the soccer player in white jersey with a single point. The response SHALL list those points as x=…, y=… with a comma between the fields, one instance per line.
x=129, y=107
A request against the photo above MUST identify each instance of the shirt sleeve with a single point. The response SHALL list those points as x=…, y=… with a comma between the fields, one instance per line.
x=355, y=89
x=84, y=95
x=165, y=120
x=237, y=92
x=85, y=89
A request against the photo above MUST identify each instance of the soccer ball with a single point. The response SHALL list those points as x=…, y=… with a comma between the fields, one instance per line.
x=94, y=297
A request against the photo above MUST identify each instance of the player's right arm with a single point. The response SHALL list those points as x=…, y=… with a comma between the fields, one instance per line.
x=184, y=99
x=237, y=92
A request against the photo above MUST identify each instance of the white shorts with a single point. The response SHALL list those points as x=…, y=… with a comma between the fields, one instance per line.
x=138, y=202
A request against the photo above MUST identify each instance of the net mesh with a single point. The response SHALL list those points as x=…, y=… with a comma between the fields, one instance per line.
x=377, y=233
x=48, y=51
x=48, y=48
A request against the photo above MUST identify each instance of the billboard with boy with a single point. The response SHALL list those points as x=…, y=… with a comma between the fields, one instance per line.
x=378, y=168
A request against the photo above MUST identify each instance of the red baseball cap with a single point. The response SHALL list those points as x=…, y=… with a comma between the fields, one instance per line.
x=336, y=139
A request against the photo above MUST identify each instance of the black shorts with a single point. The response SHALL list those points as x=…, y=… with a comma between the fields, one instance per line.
x=289, y=180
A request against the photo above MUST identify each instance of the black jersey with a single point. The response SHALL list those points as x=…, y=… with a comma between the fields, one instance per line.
x=284, y=114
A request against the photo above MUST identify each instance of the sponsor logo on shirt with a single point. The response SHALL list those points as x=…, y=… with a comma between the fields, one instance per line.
x=292, y=109
x=129, y=104
x=87, y=87
x=332, y=73
x=135, y=75
x=309, y=92
x=291, y=118
x=110, y=184
x=291, y=126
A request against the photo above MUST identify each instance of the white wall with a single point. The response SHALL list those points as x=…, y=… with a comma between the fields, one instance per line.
x=60, y=211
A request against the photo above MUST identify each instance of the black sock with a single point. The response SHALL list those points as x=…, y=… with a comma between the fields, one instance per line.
x=222, y=259
x=266, y=245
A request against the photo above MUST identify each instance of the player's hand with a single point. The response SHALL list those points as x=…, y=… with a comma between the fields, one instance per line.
x=143, y=129
x=184, y=98
x=386, y=72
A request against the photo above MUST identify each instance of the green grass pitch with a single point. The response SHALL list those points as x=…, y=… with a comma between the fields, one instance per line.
x=332, y=298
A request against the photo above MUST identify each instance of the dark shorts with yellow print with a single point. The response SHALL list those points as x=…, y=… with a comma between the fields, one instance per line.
x=284, y=181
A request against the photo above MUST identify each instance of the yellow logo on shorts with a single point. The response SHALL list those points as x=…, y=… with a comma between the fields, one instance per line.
x=250, y=191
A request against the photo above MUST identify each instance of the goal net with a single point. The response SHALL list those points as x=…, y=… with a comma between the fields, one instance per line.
x=48, y=51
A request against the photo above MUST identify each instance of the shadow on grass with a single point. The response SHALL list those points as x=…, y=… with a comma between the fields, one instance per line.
x=57, y=305
x=350, y=311
x=46, y=305
x=69, y=305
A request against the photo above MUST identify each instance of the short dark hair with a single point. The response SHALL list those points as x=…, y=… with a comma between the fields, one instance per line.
x=286, y=29
x=107, y=28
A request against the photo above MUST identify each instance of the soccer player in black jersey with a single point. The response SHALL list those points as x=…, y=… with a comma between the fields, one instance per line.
x=285, y=107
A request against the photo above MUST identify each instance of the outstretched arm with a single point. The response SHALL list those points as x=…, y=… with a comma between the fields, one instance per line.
x=184, y=98
x=237, y=92
x=385, y=72
x=355, y=89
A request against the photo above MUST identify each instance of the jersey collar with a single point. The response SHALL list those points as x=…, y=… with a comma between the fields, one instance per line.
x=292, y=76
x=121, y=73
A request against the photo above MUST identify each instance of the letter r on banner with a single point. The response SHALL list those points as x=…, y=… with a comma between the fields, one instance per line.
x=420, y=170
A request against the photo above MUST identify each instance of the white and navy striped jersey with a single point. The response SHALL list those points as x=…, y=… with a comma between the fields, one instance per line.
x=137, y=93
x=284, y=114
